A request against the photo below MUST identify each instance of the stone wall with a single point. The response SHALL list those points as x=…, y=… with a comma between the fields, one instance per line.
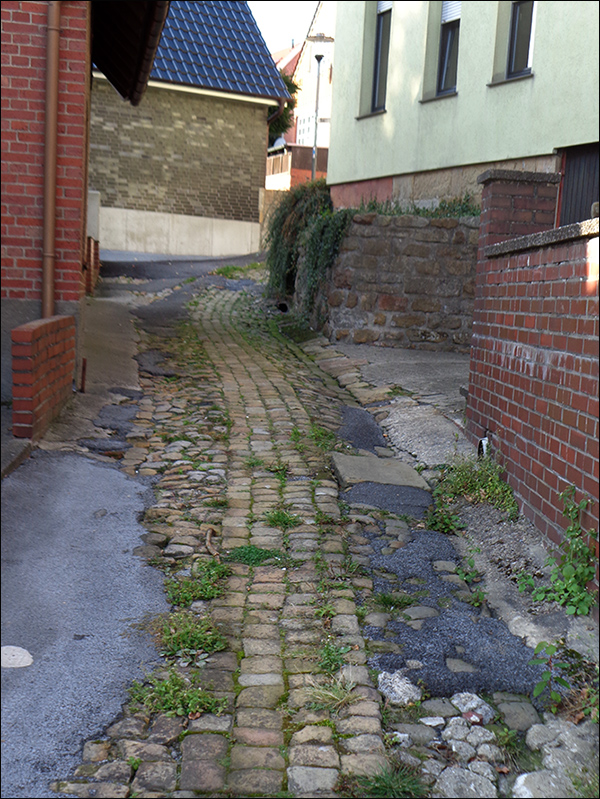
x=178, y=153
x=405, y=281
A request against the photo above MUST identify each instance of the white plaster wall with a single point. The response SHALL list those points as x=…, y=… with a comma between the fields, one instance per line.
x=176, y=234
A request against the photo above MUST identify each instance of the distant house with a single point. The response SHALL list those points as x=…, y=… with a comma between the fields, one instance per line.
x=427, y=96
x=183, y=174
x=47, y=53
x=290, y=165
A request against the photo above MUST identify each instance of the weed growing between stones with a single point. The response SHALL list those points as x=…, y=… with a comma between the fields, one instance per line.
x=135, y=763
x=577, y=564
x=331, y=656
x=397, y=600
x=281, y=471
x=323, y=439
x=296, y=437
x=579, y=678
x=455, y=208
x=232, y=272
x=175, y=695
x=326, y=611
x=282, y=518
x=252, y=462
x=391, y=782
x=333, y=695
x=477, y=481
x=187, y=637
x=252, y=555
x=206, y=583
x=442, y=518
x=216, y=502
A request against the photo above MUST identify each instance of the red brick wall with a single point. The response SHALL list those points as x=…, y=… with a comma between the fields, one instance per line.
x=43, y=358
x=24, y=27
x=533, y=385
x=299, y=176
x=515, y=204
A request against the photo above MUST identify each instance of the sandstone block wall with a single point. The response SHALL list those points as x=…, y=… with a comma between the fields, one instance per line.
x=405, y=281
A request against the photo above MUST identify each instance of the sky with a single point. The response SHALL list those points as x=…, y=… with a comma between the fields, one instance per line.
x=282, y=21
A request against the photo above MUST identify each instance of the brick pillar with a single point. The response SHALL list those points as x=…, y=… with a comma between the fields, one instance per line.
x=515, y=204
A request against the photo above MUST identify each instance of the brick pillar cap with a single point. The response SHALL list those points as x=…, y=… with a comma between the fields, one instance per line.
x=516, y=176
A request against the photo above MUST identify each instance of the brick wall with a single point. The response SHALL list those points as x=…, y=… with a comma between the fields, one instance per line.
x=179, y=153
x=533, y=385
x=24, y=27
x=405, y=281
x=43, y=362
x=515, y=204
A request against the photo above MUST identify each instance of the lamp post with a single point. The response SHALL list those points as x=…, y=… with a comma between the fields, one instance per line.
x=318, y=59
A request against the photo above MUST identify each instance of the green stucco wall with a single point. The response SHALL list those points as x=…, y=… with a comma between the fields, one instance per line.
x=557, y=107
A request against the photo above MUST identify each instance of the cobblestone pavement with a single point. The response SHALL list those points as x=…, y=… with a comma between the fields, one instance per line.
x=237, y=433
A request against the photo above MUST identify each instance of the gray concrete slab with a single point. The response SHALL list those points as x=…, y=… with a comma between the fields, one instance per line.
x=424, y=433
x=352, y=469
x=436, y=377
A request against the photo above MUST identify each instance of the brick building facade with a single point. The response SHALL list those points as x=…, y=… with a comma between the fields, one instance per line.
x=183, y=175
x=183, y=153
x=23, y=136
x=47, y=260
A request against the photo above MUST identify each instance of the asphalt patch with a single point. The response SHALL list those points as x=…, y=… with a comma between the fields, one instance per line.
x=402, y=500
x=105, y=446
x=360, y=429
x=150, y=361
x=119, y=418
x=460, y=631
x=131, y=393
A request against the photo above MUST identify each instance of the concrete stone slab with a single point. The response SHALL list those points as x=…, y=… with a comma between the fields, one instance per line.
x=353, y=469
x=426, y=434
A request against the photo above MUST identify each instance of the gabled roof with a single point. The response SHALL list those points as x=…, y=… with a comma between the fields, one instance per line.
x=286, y=60
x=125, y=36
x=216, y=45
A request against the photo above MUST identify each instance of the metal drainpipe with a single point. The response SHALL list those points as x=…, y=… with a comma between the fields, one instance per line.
x=50, y=148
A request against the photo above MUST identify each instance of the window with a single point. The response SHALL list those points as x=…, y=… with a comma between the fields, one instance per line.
x=448, y=60
x=521, y=35
x=382, y=53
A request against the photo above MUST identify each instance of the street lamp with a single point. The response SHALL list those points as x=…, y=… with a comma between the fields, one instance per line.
x=318, y=59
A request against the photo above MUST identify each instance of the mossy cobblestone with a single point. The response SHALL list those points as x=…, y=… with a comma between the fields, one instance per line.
x=215, y=472
x=228, y=441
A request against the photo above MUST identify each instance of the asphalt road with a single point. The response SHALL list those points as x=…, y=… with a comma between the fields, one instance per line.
x=71, y=590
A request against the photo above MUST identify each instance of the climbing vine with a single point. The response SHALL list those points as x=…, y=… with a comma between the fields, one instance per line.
x=284, y=238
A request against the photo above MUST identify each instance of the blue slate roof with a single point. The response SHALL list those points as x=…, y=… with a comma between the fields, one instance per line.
x=216, y=45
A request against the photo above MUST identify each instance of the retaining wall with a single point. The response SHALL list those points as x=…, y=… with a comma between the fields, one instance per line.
x=43, y=365
x=406, y=281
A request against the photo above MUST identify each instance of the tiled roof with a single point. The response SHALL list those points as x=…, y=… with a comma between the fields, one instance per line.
x=286, y=60
x=216, y=45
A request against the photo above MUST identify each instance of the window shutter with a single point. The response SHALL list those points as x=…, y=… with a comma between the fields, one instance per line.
x=385, y=5
x=450, y=12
